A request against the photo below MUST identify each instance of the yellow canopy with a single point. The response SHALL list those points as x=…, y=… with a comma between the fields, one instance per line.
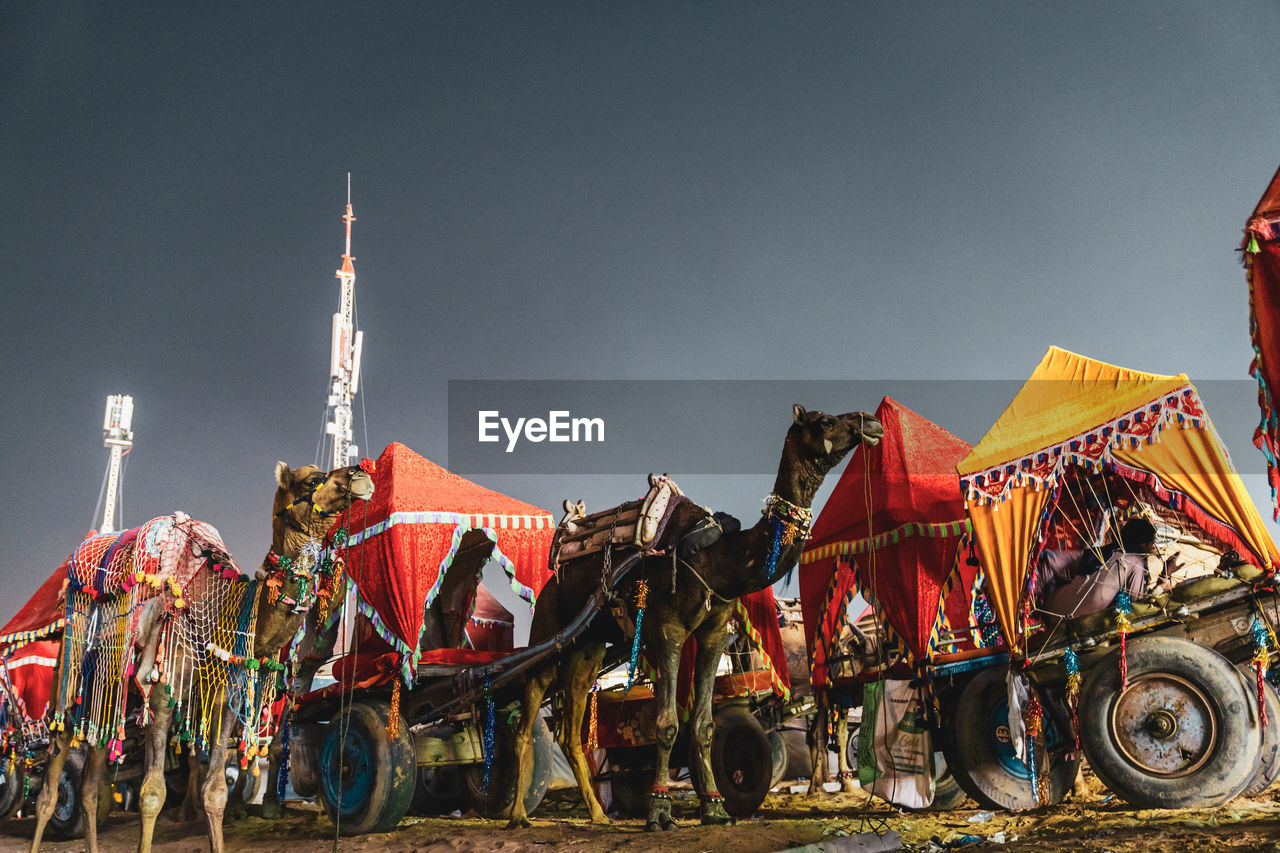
x=1077, y=411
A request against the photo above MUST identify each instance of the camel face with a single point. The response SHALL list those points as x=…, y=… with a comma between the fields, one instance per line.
x=825, y=439
x=307, y=493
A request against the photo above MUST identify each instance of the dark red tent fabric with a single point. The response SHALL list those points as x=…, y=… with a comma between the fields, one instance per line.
x=42, y=613
x=897, y=517
x=404, y=539
x=1262, y=265
x=29, y=669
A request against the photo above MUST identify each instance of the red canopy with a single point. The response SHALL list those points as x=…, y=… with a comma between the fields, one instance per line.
x=897, y=517
x=29, y=669
x=403, y=541
x=42, y=614
x=1262, y=266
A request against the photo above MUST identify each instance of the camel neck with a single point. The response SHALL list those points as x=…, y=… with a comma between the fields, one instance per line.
x=798, y=479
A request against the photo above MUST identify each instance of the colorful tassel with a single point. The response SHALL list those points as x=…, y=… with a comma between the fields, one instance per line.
x=1073, y=691
x=1261, y=663
x=593, y=738
x=1035, y=725
x=393, y=724
x=490, y=723
x=642, y=601
x=1123, y=607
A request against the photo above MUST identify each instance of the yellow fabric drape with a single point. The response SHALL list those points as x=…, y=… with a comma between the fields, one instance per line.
x=1004, y=534
x=1192, y=462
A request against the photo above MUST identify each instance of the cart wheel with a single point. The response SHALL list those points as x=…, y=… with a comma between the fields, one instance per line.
x=1179, y=736
x=495, y=802
x=631, y=770
x=947, y=793
x=741, y=760
x=980, y=754
x=11, y=791
x=778, y=755
x=68, y=817
x=1269, y=767
x=375, y=772
x=440, y=790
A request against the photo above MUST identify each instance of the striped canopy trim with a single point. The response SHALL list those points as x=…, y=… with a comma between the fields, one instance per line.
x=465, y=520
x=849, y=547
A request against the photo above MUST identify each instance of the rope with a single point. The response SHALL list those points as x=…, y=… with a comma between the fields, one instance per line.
x=344, y=716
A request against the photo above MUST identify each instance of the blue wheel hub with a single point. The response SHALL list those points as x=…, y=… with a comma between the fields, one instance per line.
x=349, y=769
x=1002, y=744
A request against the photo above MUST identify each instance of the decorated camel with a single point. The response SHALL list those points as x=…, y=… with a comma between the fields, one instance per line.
x=678, y=593
x=166, y=605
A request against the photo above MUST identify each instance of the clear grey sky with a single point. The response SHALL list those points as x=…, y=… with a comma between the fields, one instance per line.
x=866, y=190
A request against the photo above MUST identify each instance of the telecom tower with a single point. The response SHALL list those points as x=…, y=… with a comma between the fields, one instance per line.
x=344, y=358
x=117, y=434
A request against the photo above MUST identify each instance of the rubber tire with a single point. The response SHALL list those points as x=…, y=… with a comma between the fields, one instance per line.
x=497, y=801
x=633, y=779
x=440, y=791
x=67, y=821
x=778, y=754
x=1269, y=763
x=971, y=751
x=11, y=791
x=741, y=760
x=384, y=770
x=1228, y=768
x=947, y=793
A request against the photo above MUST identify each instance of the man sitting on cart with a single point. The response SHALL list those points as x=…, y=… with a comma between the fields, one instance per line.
x=1092, y=587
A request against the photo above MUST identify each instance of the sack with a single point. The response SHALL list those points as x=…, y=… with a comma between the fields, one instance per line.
x=895, y=748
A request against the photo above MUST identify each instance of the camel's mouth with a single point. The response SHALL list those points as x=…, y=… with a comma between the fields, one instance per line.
x=872, y=432
x=362, y=486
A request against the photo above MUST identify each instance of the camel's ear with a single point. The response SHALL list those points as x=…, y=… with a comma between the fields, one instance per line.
x=284, y=475
x=797, y=413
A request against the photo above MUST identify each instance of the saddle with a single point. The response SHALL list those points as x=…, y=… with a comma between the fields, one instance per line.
x=635, y=525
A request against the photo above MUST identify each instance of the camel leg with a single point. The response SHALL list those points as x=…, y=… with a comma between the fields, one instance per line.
x=535, y=688
x=818, y=750
x=271, y=805
x=215, y=783
x=95, y=762
x=152, y=792
x=711, y=643
x=48, y=799
x=235, y=799
x=668, y=723
x=842, y=756
x=191, y=810
x=580, y=673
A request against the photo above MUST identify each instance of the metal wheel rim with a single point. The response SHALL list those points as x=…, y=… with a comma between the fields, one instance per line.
x=1164, y=725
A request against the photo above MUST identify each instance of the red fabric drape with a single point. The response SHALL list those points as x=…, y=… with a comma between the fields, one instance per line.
x=1265, y=307
x=909, y=478
x=30, y=669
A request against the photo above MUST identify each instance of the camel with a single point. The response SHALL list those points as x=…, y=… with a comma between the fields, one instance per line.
x=687, y=596
x=305, y=502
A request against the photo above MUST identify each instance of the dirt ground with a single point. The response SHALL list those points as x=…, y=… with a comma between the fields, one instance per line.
x=785, y=821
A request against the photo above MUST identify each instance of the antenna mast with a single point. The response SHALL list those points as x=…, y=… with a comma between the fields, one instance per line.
x=117, y=434
x=344, y=357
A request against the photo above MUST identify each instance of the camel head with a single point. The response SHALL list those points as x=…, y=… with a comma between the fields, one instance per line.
x=306, y=503
x=307, y=498
x=822, y=440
